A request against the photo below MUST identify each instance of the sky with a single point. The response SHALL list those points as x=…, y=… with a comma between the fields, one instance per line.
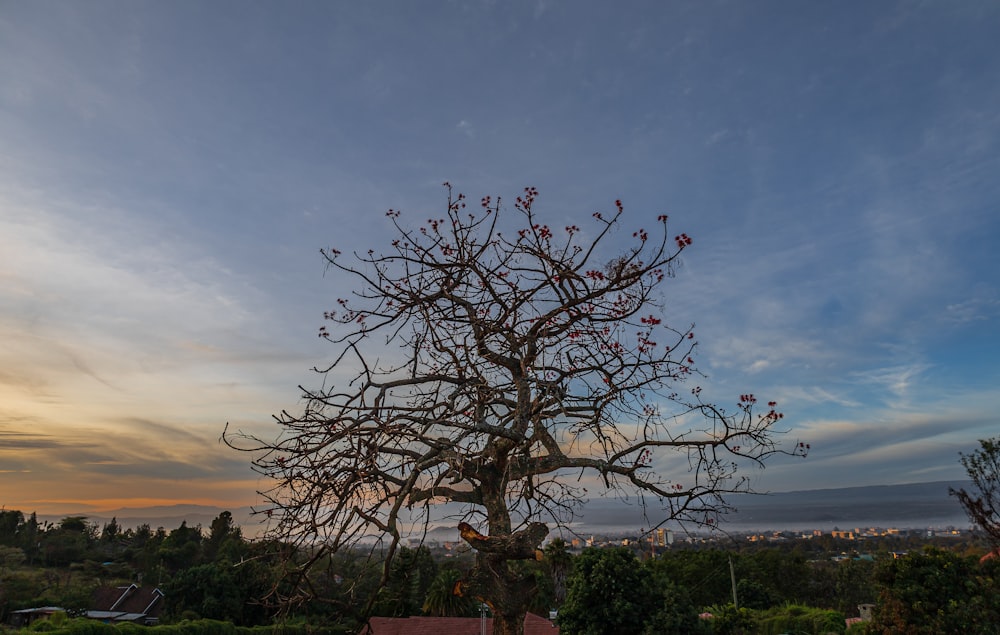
x=170, y=170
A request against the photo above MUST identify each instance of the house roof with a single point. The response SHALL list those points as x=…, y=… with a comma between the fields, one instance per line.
x=130, y=599
x=533, y=625
x=115, y=616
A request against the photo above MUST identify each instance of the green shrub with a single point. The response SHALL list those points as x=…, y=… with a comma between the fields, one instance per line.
x=799, y=619
x=59, y=624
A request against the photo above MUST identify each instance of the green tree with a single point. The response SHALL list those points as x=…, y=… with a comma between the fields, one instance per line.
x=411, y=575
x=755, y=595
x=68, y=543
x=774, y=576
x=854, y=585
x=934, y=591
x=704, y=573
x=29, y=537
x=982, y=503
x=223, y=591
x=111, y=532
x=442, y=601
x=225, y=540
x=559, y=563
x=208, y=590
x=608, y=594
x=142, y=551
x=10, y=524
x=181, y=548
x=10, y=558
x=672, y=609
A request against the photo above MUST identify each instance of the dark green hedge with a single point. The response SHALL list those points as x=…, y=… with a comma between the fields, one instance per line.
x=60, y=625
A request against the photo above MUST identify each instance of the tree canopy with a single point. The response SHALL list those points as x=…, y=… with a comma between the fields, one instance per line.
x=982, y=503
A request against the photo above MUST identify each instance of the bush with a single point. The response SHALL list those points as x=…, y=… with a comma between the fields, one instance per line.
x=58, y=624
x=795, y=618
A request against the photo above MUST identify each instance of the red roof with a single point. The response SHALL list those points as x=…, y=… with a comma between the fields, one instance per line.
x=533, y=625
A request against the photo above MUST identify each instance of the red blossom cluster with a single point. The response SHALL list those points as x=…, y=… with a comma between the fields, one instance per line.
x=530, y=194
x=683, y=240
x=748, y=399
x=645, y=345
x=772, y=415
x=458, y=203
x=641, y=235
x=645, y=458
x=651, y=320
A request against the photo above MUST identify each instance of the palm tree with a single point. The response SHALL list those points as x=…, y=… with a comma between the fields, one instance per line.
x=441, y=600
x=559, y=562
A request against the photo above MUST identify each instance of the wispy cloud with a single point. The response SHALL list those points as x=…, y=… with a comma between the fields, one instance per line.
x=466, y=128
x=974, y=310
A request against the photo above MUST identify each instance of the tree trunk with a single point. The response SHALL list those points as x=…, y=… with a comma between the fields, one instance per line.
x=508, y=594
x=508, y=623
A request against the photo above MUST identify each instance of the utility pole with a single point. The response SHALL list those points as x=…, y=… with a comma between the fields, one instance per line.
x=732, y=576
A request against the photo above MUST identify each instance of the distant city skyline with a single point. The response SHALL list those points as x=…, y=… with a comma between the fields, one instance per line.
x=170, y=171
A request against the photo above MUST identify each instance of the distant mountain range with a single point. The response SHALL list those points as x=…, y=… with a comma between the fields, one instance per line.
x=914, y=505
x=905, y=506
x=910, y=506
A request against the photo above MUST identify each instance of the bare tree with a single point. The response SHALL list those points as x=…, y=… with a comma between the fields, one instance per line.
x=982, y=504
x=503, y=369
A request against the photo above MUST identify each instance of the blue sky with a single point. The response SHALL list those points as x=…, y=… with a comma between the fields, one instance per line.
x=169, y=171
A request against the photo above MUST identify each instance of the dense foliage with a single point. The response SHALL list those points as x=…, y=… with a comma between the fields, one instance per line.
x=610, y=592
x=982, y=501
x=217, y=582
x=935, y=591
